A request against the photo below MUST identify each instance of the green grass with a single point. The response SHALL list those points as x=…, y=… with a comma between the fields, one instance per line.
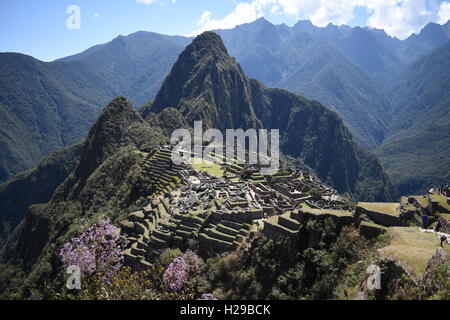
x=422, y=200
x=381, y=207
x=374, y=225
x=411, y=248
x=338, y=213
x=212, y=168
x=442, y=200
x=444, y=215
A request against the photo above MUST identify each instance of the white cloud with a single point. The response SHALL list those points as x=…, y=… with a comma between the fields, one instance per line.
x=401, y=18
x=444, y=12
x=398, y=18
x=146, y=1
x=242, y=13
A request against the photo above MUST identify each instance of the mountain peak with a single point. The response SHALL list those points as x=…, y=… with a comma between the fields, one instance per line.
x=263, y=21
x=207, y=84
x=109, y=131
x=208, y=41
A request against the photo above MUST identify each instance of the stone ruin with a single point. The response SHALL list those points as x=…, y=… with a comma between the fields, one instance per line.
x=192, y=207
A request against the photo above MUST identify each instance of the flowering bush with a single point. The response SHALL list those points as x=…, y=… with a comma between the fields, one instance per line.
x=207, y=296
x=98, y=250
x=178, y=272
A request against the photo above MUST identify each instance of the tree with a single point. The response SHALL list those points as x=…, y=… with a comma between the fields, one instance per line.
x=96, y=251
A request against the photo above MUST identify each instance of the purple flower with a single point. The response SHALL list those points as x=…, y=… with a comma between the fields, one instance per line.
x=99, y=249
x=176, y=274
x=178, y=271
x=207, y=296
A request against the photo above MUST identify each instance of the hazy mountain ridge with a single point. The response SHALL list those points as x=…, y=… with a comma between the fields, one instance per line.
x=46, y=106
x=416, y=152
x=320, y=63
x=39, y=115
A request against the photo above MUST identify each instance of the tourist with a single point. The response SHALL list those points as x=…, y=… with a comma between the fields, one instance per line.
x=443, y=240
x=437, y=227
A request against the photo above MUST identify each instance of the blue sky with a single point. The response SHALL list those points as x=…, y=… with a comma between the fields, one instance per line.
x=39, y=28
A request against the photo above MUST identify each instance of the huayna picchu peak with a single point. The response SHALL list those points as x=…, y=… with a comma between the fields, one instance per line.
x=239, y=164
x=206, y=83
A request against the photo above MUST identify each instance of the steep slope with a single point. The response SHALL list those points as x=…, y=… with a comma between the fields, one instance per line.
x=47, y=106
x=359, y=45
x=301, y=59
x=416, y=150
x=133, y=66
x=206, y=83
x=429, y=38
x=109, y=177
x=34, y=186
x=37, y=113
x=339, y=66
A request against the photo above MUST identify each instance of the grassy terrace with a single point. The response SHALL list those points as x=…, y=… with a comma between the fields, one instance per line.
x=444, y=215
x=274, y=221
x=411, y=248
x=373, y=225
x=211, y=240
x=338, y=213
x=381, y=207
x=212, y=168
x=422, y=200
x=442, y=200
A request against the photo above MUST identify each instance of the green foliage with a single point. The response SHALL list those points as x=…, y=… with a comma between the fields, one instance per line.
x=416, y=153
x=289, y=268
x=34, y=186
x=47, y=106
x=116, y=144
x=38, y=115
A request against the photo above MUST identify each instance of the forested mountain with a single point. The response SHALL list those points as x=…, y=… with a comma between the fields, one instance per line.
x=309, y=65
x=416, y=150
x=118, y=143
x=349, y=70
x=34, y=186
x=38, y=114
x=121, y=141
x=206, y=83
x=46, y=106
x=430, y=37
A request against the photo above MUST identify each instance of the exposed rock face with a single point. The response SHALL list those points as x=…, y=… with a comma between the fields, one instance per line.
x=445, y=225
x=207, y=84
